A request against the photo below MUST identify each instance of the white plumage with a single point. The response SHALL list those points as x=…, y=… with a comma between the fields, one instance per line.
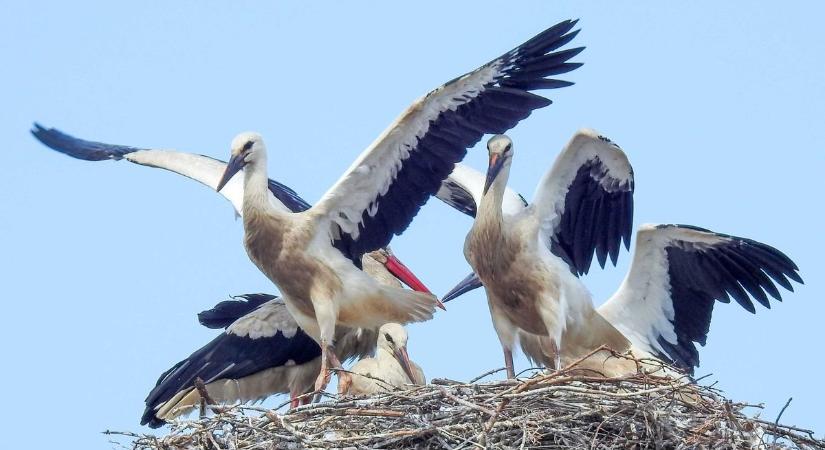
x=390, y=368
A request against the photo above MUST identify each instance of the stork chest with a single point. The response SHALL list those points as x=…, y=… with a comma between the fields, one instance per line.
x=515, y=280
x=278, y=247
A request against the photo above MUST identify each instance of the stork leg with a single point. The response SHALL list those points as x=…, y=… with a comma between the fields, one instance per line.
x=323, y=376
x=508, y=363
x=344, y=378
x=293, y=400
x=326, y=315
x=506, y=331
x=555, y=353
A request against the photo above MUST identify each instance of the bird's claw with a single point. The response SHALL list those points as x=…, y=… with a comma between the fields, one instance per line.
x=344, y=383
x=322, y=381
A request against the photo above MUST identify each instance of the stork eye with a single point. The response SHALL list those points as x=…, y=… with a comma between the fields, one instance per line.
x=247, y=146
x=507, y=148
x=389, y=338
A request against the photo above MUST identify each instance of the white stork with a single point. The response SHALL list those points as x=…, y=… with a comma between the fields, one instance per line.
x=521, y=258
x=263, y=351
x=390, y=368
x=312, y=255
x=582, y=205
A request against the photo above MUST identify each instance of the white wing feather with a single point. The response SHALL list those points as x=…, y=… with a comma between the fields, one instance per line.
x=372, y=173
x=265, y=321
x=586, y=145
x=642, y=308
x=471, y=182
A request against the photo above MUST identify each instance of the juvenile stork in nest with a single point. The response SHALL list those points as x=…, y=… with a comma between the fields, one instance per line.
x=582, y=205
x=391, y=366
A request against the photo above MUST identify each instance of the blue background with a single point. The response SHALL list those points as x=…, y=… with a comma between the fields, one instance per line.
x=719, y=107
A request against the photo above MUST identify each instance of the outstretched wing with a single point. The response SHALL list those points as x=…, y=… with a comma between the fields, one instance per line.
x=263, y=339
x=382, y=191
x=665, y=303
x=584, y=203
x=203, y=169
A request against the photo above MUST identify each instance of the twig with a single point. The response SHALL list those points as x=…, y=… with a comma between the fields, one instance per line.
x=460, y=401
x=487, y=374
x=574, y=409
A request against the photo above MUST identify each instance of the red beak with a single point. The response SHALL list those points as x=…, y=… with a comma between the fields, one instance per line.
x=400, y=271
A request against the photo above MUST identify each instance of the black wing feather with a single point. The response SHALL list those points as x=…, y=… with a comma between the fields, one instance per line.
x=228, y=311
x=228, y=356
x=99, y=151
x=595, y=219
x=503, y=103
x=79, y=148
x=701, y=274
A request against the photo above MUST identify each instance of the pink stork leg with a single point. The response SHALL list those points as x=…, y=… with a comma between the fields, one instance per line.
x=508, y=363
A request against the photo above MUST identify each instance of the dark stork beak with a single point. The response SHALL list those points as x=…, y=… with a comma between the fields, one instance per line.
x=400, y=271
x=466, y=285
x=235, y=165
x=404, y=359
x=496, y=163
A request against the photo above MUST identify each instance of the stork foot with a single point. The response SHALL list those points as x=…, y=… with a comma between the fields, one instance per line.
x=344, y=383
x=322, y=381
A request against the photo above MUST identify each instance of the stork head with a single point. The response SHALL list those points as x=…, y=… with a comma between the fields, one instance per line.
x=500, y=148
x=392, y=338
x=247, y=148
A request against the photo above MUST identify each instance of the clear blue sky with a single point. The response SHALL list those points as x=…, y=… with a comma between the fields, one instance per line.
x=720, y=108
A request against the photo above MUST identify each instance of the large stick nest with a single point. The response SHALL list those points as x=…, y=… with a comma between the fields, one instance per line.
x=563, y=409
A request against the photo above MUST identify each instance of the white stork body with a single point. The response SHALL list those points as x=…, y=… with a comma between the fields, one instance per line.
x=391, y=366
x=321, y=286
x=529, y=288
x=662, y=308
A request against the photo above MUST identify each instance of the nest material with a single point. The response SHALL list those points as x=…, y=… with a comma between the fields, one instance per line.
x=561, y=409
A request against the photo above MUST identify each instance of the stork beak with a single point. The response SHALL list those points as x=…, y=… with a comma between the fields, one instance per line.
x=235, y=165
x=404, y=359
x=466, y=285
x=496, y=163
x=400, y=271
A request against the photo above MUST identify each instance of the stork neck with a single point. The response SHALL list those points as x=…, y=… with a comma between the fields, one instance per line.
x=491, y=201
x=386, y=358
x=256, y=184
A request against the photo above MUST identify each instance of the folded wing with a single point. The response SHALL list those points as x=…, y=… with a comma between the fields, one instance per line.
x=263, y=338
